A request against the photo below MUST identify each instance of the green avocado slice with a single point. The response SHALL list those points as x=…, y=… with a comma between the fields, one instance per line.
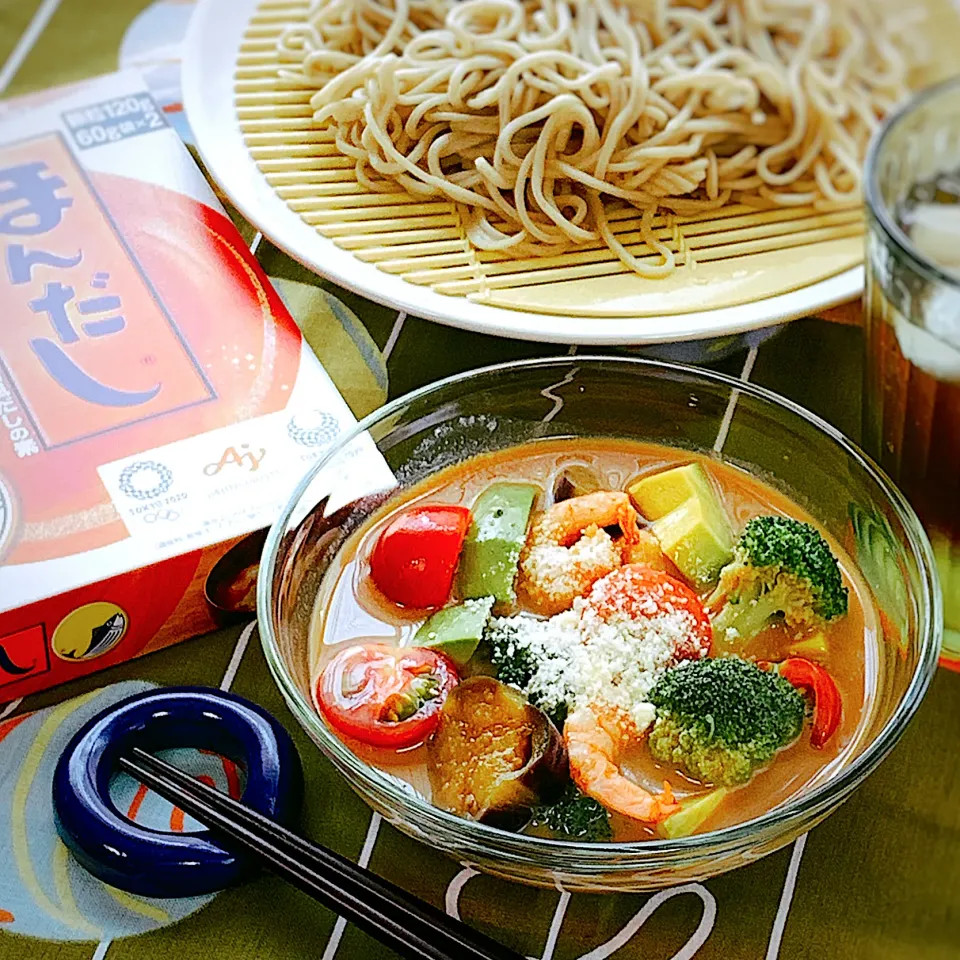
x=491, y=552
x=693, y=813
x=697, y=538
x=456, y=631
x=661, y=493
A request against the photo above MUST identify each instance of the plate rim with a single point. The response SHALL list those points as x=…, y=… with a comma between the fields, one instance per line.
x=210, y=50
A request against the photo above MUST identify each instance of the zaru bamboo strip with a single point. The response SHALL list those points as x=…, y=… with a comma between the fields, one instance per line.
x=263, y=32
x=397, y=239
x=298, y=112
x=306, y=180
x=278, y=124
x=372, y=204
x=500, y=263
x=336, y=228
x=273, y=98
x=290, y=136
x=432, y=266
x=281, y=139
x=733, y=239
x=700, y=235
x=335, y=214
x=303, y=167
x=255, y=66
x=264, y=73
x=291, y=5
x=270, y=83
x=258, y=46
x=612, y=267
x=425, y=248
x=308, y=152
x=313, y=196
x=278, y=15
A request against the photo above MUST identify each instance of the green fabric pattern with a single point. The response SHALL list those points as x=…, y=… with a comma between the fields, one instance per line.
x=81, y=40
x=341, y=343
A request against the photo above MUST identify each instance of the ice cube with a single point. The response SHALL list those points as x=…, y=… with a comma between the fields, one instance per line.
x=934, y=229
x=936, y=349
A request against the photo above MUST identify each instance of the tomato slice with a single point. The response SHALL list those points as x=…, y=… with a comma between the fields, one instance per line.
x=638, y=591
x=386, y=696
x=827, y=702
x=416, y=556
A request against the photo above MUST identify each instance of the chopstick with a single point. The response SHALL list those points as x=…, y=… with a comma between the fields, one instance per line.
x=397, y=919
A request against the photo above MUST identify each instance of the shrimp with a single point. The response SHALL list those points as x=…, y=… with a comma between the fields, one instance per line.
x=567, y=549
x=595, y=736
x=646, y=550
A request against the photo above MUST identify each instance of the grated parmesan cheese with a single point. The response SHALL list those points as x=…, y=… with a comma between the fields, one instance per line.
x=558, y=570
x=584, y=659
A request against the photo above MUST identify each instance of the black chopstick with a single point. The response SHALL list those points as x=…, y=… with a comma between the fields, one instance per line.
x=406, y=924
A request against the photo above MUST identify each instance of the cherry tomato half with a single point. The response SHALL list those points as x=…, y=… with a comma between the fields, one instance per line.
x=638, y=591
x=827, y=703
x=385, y=696
x=416, y=556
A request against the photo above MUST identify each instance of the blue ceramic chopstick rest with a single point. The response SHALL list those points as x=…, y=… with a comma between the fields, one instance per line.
x=153, y=863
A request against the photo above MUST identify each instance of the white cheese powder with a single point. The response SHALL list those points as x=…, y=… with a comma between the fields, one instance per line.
x=583, y=659
x=557, y=569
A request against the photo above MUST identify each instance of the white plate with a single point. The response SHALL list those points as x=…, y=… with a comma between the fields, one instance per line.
x=210, y=54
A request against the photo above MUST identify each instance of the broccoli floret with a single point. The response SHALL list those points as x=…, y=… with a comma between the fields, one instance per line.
x=721, y=719
x=781, y=568
x=511, y=657
x=575, y=816
x=515, y=663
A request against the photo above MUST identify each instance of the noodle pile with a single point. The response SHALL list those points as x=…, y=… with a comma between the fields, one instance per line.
x=539, y=118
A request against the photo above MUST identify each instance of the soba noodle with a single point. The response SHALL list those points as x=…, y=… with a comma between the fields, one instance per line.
x=540, y=117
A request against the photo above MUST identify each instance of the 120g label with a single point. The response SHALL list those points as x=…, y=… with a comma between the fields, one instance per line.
x=114, y=120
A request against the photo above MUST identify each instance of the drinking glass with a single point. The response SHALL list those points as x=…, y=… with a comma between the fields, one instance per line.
x=912, y=396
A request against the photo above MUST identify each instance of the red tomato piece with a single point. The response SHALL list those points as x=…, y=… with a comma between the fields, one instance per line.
x=416, y=556
x=827, y=703
x=385, y=696
x=637, y=592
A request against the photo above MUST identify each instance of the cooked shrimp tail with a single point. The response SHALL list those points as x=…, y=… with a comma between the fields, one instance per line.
x=595, y=738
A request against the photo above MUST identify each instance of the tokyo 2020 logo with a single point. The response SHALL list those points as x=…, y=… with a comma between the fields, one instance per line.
x=313, y=428
x=145, y=480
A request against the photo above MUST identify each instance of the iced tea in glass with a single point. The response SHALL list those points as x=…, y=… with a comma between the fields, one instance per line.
x=912, y=399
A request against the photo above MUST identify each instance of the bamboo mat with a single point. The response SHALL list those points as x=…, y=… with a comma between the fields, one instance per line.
x=735, y=255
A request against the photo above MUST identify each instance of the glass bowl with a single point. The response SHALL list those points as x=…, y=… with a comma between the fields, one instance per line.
x=498, y=407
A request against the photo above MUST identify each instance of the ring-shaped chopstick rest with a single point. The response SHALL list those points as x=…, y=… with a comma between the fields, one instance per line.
x=150, y=862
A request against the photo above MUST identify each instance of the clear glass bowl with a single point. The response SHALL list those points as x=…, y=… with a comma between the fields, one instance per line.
x=514, y=403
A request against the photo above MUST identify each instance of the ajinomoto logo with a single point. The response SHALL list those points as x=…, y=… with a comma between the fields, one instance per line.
x=86, y=342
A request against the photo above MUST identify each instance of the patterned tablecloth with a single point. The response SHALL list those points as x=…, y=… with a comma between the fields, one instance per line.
x=879, y=879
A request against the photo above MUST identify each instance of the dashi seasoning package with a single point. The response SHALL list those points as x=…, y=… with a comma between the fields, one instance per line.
x=157, y=402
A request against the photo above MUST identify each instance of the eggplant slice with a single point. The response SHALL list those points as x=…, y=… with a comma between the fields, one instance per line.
x=494, y=755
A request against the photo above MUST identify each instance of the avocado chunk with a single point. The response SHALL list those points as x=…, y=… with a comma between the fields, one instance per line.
x=697, y=538
x=456, y=631
x=813, y=648
x=661, y=493
x=491, y=552
x=693, y=813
